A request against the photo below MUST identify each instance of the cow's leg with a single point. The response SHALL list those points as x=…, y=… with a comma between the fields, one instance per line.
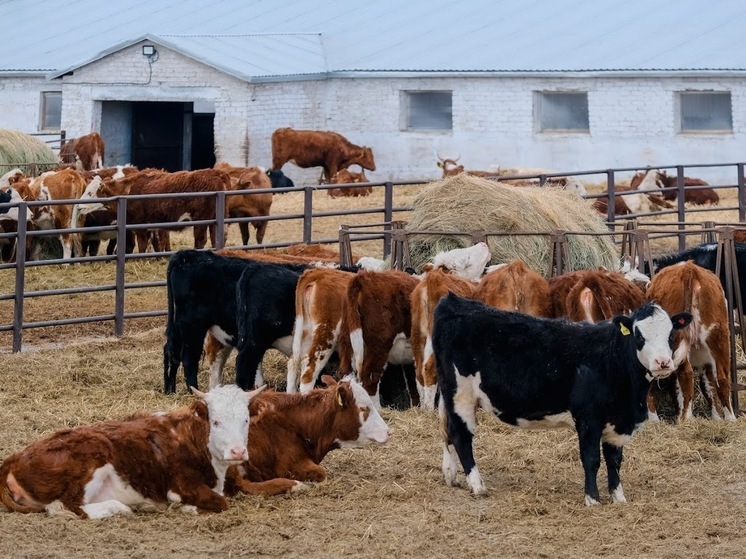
x=652, y=406
x=707, y=384
x=191, y=351
x=429, y=377
x=67, y=246
x=276, y=486
x=589, y=439
x=249, y=358
x=613, y=459
x=244, y=228
x=684, y=383
x=261, y=229
x=322, y=347
x=105, y=509
x=141, y=237
x=203, y=498
x=450, y=464
x=216, y=354
x=200, y=236
x=308, y=470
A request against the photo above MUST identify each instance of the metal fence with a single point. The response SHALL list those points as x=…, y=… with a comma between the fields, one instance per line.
x=385, y=215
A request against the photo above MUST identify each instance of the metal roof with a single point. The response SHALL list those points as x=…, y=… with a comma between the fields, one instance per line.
x=279, y=38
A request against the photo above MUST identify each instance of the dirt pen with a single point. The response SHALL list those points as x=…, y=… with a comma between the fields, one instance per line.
x=686, y=484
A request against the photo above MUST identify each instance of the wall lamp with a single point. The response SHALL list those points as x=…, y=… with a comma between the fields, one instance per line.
x=148, y=50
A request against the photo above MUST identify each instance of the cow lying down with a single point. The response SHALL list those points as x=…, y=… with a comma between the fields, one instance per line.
x=156, y=459
x=291, y=434
x=533, y=372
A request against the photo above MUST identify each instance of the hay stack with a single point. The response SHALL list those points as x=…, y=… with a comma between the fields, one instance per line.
x=464, y=204
x=18, y=149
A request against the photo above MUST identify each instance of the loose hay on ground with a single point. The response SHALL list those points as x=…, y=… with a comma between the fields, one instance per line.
x=468, y=204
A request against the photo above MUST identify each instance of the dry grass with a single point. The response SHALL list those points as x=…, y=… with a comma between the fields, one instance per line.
x=685, y=483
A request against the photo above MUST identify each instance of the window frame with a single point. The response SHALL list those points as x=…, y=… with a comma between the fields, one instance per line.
x=406, y=97
x=539, y=99
x=43, y=112
x=680, y=129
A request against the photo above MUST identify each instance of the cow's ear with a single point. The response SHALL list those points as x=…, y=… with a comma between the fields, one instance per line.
x=681, y=320
x=200, y=409
x=440, y=164
x=268, y=172
x=624, y=324
x=427, y=268
x=328, y=380
x=343, y=395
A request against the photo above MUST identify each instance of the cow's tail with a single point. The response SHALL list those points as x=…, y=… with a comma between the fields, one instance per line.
x=172, y=347
x=354, y=325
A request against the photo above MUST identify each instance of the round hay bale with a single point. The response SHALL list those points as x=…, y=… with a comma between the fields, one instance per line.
x=466, y=204
x=18, y=150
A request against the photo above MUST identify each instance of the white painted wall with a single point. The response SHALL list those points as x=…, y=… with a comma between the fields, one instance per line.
x=20, y=102
x=632, y=121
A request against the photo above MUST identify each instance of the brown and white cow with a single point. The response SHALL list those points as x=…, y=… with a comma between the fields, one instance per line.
x=66, y=184
x=669, y=183
x=87, y=152
x=435, y=285
x=290, y=434
x=376, y=325
x=163, y=210
x=158, y=459
x=594, y=295
x=345, y=176
x=319, y=298
x=704, y=346
x=248, y=205
x=314, y=148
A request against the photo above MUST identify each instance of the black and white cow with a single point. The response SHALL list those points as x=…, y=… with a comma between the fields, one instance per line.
x=202, y=297
x=533, y=372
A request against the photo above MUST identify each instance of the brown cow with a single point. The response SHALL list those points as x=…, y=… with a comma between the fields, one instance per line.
x=345, y=176
x=376, y=325
x=248, y=205
x=436, y=284
x=292, y=433
x=451, y=168
x=699, y=196
x=594, y=295
x=107, y=468
x=87, y=152
x=704, y=346
x=514, y=287
x=163, y=210
x=313, y=148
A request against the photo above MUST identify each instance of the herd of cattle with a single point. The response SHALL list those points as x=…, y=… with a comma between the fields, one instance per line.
x=580, y=350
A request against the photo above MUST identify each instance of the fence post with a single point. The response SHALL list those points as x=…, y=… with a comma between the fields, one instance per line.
x=20, y=277
x=680, y=209
x=558, y=246
x=610, y=198
x=220, y=220
x=121, y=254
x=388, y=216
x=307, y=214
x=741, y=194
x=708, y=233
x=726, y=256
x=345, y=248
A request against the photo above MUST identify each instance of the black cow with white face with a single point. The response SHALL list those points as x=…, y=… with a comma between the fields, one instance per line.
x=279, y=179
x=532, y=372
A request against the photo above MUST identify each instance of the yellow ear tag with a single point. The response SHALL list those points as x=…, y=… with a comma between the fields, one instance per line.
x=339, y=399
x=624, y=329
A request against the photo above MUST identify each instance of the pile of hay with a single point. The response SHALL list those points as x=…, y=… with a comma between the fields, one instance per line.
x=465, y=204
x=18, y=150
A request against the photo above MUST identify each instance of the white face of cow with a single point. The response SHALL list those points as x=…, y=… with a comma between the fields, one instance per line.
x=653, y=332
x=465, y=262
x=228, y=414
x=372, y=427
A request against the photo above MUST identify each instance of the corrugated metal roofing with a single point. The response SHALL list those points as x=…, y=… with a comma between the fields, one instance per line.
x=254, y=38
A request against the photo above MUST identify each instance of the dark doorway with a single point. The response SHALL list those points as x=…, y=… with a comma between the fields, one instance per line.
x=203, y=140
x=158, y=135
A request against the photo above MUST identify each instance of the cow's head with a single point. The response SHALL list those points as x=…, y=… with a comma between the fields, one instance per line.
x=467, y=262
x=450, y=167
x=357, y=422
x=365, y=159
x=226, y=409
x=279, y=179
x=5, y=197
x=653, y=332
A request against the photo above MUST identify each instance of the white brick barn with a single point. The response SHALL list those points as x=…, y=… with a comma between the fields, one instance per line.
x=564, y=85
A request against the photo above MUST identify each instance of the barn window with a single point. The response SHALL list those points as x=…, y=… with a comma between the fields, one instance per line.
x=705, y=112
x=562, y=112
x=51, y=110
x=427, y=110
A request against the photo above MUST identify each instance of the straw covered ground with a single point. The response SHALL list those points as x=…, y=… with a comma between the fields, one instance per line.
x=685, y=484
